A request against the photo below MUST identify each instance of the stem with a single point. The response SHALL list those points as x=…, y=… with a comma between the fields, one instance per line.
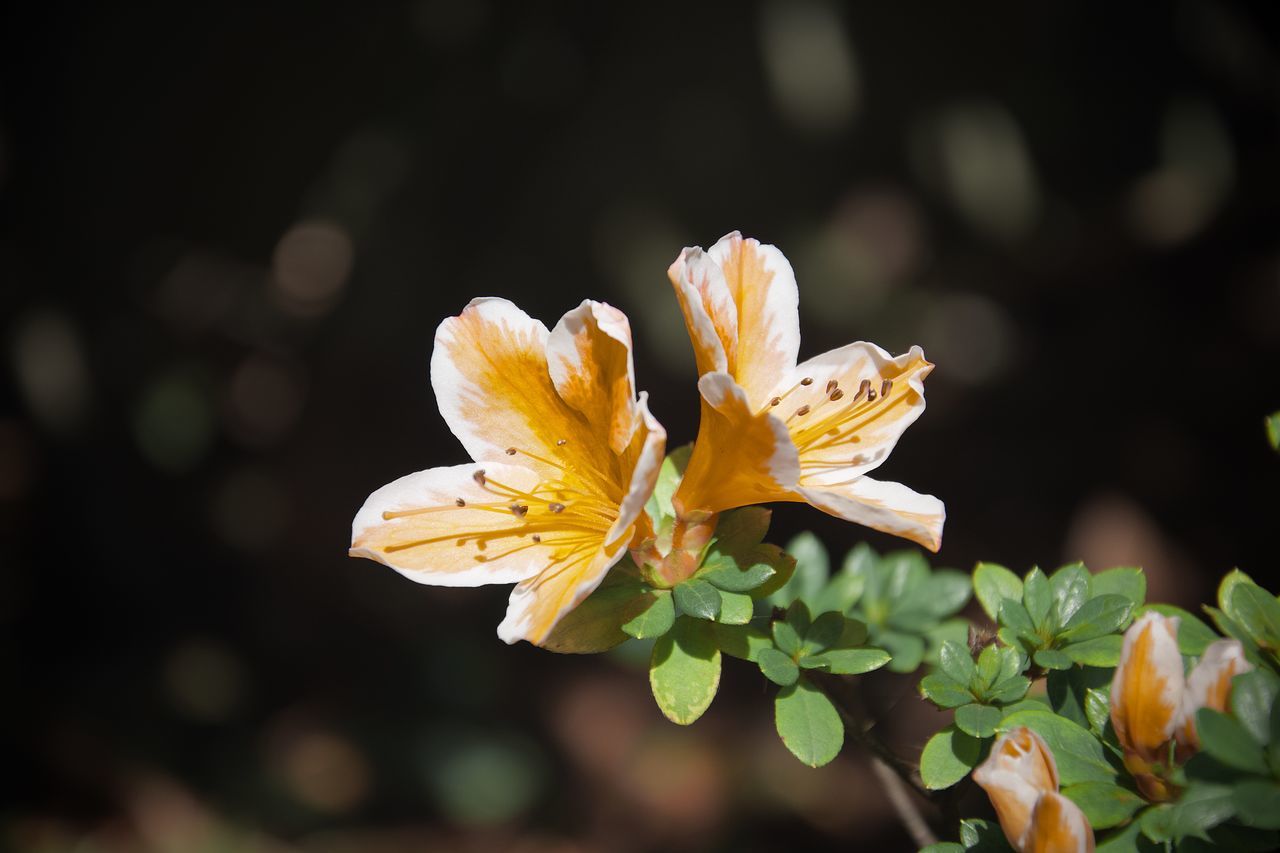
x=895, y=774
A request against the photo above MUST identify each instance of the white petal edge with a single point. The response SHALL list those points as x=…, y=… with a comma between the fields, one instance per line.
x=883, y=505
x=694, y=262
x=1168, y=662
x=644, y=476
x=516, y=625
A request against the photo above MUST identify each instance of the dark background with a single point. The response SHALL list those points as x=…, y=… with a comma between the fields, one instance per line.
x=226, y=238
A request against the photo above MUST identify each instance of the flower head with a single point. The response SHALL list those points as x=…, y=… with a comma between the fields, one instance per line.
x=776, y=430
x=1020, y=777
x=565, y=457
x=1153, y=704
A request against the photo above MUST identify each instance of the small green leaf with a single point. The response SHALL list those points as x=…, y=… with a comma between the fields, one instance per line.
x=977, y=720
x=684, y=672
x=944, y=692
x=736, y=608
x=654, y=621
x=786, y=637
x=1126, y=581
x=824, y=632
x=907, y=649
x=1258, y=612
x=784, y=568
x=1100, y=651
x=742, y=528
x=697, y=598
x=1097, y=709
x=1009, y=690
x=1067, y=689
x=742, y=641
x=1105, y=804
x=1037, y=596
x=777, y=667
x=992, y=584
x=669, y=474
x=1253, y=696
x=841, y=593
x=847, y=661
x=1012, y=662
x=1079, y=755
x=1070, y=586
x=1227, y=586
x=1014, y=616
x=854, y=634
x=949, y=591
x=598, y=623
x=1193, y=635
x=906, y=576
x=948, y=757
x=1202, y=807
x=1052, y=659
x=957, y=663
x=1258, y=803
x=1229, y=742
x=982, y=836
x=813, y=568
x=1097, y=617
x=729, y=574
x=808, y=723
x=989, y=664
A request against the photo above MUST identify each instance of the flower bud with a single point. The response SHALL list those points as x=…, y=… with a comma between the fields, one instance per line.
x=1147, y=690
x=1057, y=826
x=1018, y=771
x=1209, y=686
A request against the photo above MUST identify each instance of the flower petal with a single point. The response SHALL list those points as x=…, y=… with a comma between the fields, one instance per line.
x=762, y=286
x=740, y=457
x=415, y=526
x=709, y=312
x=882, y=505
x=1058, y=826
x=857, y=404
x=589, y=358
x=643, y=458
x=1146, y=691
x=1018, y=770
x=1209, y=685
x=538, y=603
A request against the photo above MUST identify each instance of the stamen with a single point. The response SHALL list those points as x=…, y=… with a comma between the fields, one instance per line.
x=832, y=385
x=536, y=538
x=555, y=507
x=807, y=381
x=511, y=451
x=519, y=510
x=802, y=411
x=863, y=388
x=460, y=502
x=837, y=394
x=885, y=386
x=562, y=442
x=478, y=476
x=775, y=401
x=871, y=395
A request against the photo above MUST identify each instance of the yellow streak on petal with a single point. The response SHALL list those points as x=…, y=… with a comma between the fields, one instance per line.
x=539, y=603
x=761, y=359
x=1019, y=769
x=1147, y=688
x=593, y=371
x=1058, y=826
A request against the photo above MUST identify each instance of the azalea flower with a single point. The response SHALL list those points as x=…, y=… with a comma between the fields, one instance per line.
x=565, y=456
x=1020, y=777
x=776, y=430
x=1153, y=705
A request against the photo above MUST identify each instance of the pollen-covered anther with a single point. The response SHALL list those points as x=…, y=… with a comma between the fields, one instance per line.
x=807, y=381
x=562, y=442
x=511, y=451
x=460, y=501
x=519, y=510
x=536, y=538
x=864, y=388
x=775, y=401
x=837, y=394
x=802, y=411
x=478, y=476
x=885, y=387
x=555, y=507
x=832, y=385
x=871, y=395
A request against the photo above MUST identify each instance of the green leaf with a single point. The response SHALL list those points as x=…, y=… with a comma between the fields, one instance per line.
x=847, y=661
x=777, y=667
x=742, y=641
x=1070, y=586
x=743, y=528
x=697, y=598
x=823, y=633
x=1258, y=803
x=1127, y=840
x=978, y=720
x=1227, y=586
x=992, y=584
x=1100, y=651
x=1080, y=757
x=948, y=757
x=1258, y=612
x=1009, y=690
x=943, y=847
x=1037, y=596
x=1012, y=662
x=1097, y=709
x=598, y=623
x=1067, y=691
x=783, y=565
x=813, y=567
x=1052, y=659
x=843, y=592
x=863, y=562
x=1273, y=430
x=1229, y=742
x=1126, y=581
x=906, y=576
x=1193, y=635
x=957, y=663
x=982, y=836
x=655, y=620
x=669, y=474
x=732, y=574
x=684, y=672
x=1104, y=803
x=990, y=662
x=736, y=608
x=1253, y=696
x=949, y=591
x=808, y=723
x=1097, y=617
x=942, y=691
x=854, y=634
x=1014, y=616
x=1202, y=807
x=907, y=650
x=786, y=637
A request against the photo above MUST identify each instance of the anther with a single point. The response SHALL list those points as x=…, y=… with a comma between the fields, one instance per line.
x=536, y=538
x=562, y=442
x=885, y=386
x=863, y=388
x=556, y=507
x=511, y=451
x=481, y=558
x=808, y=380
x=837, y=394
x=478, y=476
x=775, y=401
x=519, y=510
x=802, y=411
x=832, y=385
x=460, y=502
x=871, y=395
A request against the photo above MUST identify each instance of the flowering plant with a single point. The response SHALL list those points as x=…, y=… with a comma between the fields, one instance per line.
x=1091, y=718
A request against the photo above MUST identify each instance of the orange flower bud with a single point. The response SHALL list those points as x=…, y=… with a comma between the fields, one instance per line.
x=1018, y=771
x=1057, y=826
x=1146, y=693
x=1209, y=686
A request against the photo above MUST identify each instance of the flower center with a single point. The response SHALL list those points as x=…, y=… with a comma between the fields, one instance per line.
x=834, y=419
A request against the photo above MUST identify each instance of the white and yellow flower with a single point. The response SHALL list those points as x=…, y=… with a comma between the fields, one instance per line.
x=1020, y=777
x=773, y=429
x=565, y=456
x=1153, y=704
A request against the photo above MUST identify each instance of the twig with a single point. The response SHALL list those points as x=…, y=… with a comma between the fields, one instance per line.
x=900, y=798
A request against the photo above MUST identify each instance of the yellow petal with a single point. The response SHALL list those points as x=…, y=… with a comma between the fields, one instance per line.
x=1018, y=770
x=709, y=313
x=643, y=459
x=448, y=527
x=882, y=505
x=1209, y=686
x=538, y=603
x=762, y=290
x=589, y=358
x=740, y=457
x=1058, y=826
x=1147, y=689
